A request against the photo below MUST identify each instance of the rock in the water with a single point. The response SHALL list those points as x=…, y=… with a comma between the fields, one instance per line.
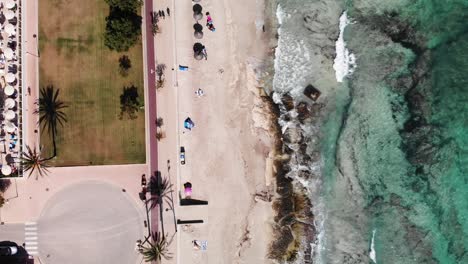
x=312, y=92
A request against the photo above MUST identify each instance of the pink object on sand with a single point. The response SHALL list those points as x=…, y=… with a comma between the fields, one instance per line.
x=188, y=191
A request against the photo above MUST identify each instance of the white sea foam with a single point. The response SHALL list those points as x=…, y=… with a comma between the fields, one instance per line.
x=372, y=250
x=345, y=62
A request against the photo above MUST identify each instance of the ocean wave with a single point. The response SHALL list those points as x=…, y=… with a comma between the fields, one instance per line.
x=345, y=62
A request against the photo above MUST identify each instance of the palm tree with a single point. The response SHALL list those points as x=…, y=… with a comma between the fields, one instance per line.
x=32, y=160
x=50, y=112
x=160, y=190
x=157, y=249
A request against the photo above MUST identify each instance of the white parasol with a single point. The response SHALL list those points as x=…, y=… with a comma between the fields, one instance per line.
x=10, y=103
x=10, y=29
x=10, y=77
x=9, y=115
x=9, y=14
x=8, y=53
x=10, y=127
x=9, y=90
x=10, y=4
x=6, y=169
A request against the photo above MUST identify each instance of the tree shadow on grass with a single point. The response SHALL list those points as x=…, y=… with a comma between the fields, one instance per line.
x=129, y=103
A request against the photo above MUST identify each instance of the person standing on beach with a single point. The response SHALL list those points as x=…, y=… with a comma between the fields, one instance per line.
x=208, y=19
x=168, y=12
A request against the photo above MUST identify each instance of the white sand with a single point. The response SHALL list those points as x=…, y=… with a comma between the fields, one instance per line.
x=226, y=151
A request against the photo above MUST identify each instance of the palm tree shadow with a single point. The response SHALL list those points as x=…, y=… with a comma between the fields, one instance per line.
x=161, y=191
x=50, y=113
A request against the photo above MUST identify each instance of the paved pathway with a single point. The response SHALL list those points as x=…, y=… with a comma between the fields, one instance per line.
x=90, y=222
x=152, y=108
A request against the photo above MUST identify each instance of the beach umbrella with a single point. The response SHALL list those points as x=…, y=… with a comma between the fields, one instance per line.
x=9, y=90
x=10, y=103
x=10, y=115
x=188, y=123
x=6, y=169
x=10, y=4
x=8, y=53
x=10, y=29
x=10, y=77
x=198, y=47
x=10, y=127
x=197, y=27
x=197, y=12
x=9, y=14
x=197, y=8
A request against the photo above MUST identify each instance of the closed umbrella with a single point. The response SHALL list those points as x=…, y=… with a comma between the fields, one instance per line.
x=9, y=115
x=10, y=29
x=10, y=77
x=10, y=103
x=6, y=169
x=9, y=14
x=8, y=53
x=9, y=90
x=10, y=127
x=10, y=4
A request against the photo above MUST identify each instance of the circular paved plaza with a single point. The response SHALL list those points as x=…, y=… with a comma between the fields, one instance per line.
x=90, y=222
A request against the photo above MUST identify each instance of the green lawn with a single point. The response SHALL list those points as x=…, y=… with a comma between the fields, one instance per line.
x=74, y=59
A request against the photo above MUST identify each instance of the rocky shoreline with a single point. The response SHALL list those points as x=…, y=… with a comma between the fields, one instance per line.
x=297, y=133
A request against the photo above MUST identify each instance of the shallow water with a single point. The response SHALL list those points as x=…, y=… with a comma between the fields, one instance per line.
x=394, y=139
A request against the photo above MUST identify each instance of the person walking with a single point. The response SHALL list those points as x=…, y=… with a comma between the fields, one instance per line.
x=163, y=15
x=168, y=12
x=208, y=19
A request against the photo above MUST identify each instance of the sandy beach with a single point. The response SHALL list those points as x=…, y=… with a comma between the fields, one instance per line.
x=226, y=151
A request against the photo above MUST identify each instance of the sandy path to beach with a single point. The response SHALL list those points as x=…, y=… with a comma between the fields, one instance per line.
x=225, y=154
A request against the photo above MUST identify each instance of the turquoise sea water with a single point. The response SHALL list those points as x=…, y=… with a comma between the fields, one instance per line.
x=395, y=149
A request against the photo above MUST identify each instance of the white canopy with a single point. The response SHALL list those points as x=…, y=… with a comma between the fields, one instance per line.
x=10, y=77
x=10, y=4
x=10, y=127
x=10, y=103
x=8, y=53
x=10, y=29
x=9, y=90
x=9, y=14
x=9, y=115
x=6, y=169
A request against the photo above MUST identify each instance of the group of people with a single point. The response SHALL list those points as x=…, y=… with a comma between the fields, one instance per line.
x=162, y=14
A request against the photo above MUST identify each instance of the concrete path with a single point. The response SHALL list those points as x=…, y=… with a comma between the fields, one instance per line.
x=90, y=222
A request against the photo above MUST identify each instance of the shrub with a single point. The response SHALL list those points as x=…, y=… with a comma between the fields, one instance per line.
x=129, y=103
x=124, y=65
x=2, y=200
x=160, y=135
x=128, y=5
x=123, y=29
x=4, y=184
x=159, y=122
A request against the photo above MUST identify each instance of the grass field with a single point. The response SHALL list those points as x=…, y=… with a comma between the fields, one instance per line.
x=74, y=59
